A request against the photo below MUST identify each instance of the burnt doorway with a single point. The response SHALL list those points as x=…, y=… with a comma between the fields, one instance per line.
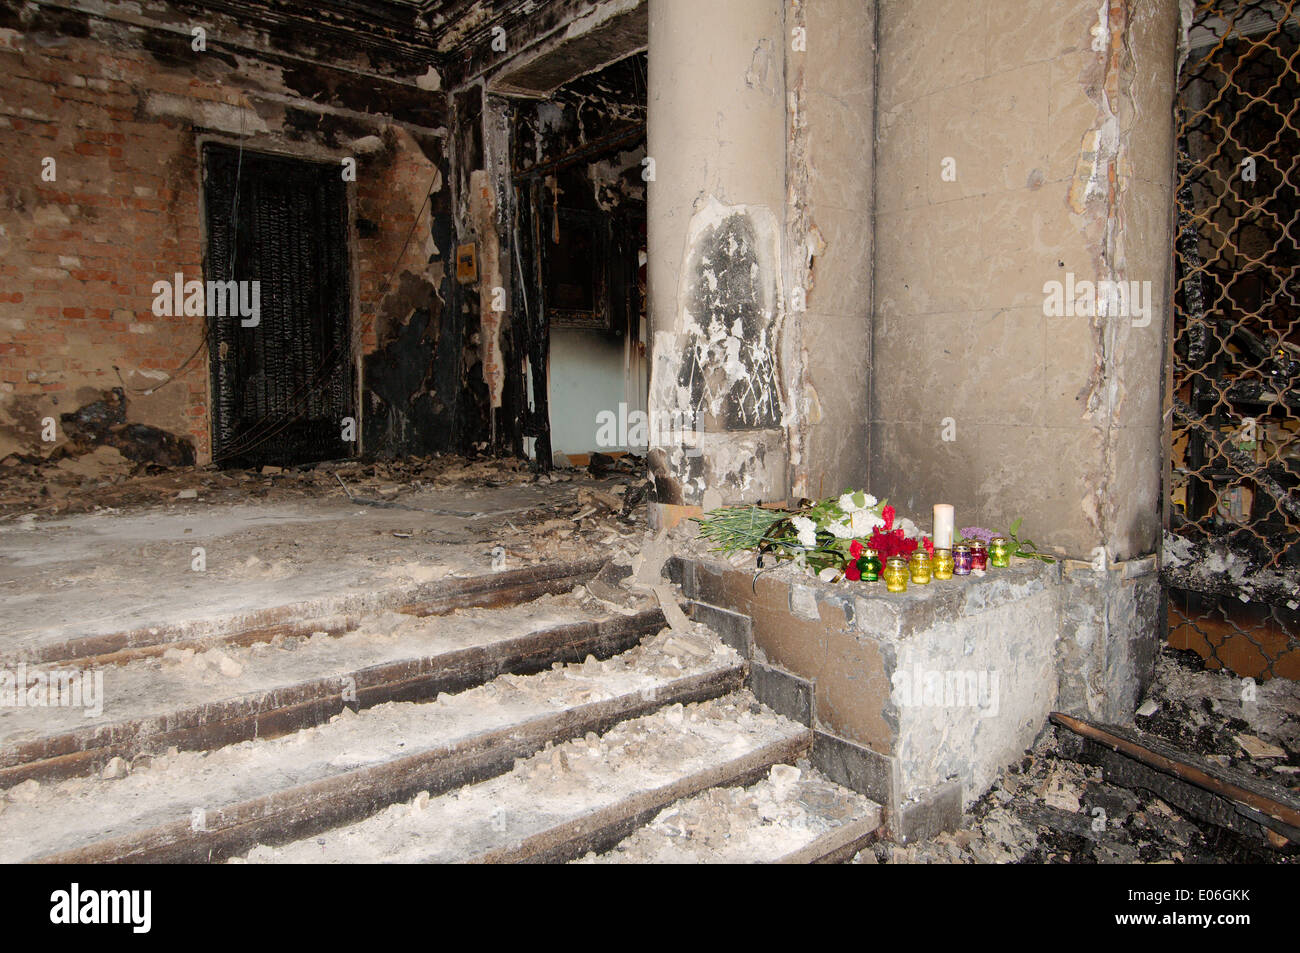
x=580, y=169
x=283, y=375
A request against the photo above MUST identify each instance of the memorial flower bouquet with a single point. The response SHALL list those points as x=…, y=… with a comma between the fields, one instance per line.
x=827, y=535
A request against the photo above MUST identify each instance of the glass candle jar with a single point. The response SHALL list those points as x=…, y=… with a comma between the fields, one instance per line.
x=961, y=559
x=921, y=566
x=979, y=556
x=869, y=566
x=943, y=564
x=895, y=574
x=1000, y=552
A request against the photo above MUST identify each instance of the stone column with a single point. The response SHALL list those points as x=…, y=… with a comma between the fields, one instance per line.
x=1020, y=150
x=717, y=140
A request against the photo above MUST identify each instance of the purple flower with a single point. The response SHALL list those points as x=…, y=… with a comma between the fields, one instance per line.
x=977, y=532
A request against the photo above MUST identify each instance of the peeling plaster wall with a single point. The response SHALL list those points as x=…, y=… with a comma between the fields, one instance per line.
x=1057, y=120
x=412, y=378
x=717, y=135
x=830, y=92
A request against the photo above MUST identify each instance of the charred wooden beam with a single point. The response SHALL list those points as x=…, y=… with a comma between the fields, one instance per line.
x=1207, y=791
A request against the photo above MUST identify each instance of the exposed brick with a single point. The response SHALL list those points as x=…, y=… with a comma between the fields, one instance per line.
x=124, y=212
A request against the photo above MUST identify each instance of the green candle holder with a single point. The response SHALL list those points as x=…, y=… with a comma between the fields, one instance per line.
x=869, y=566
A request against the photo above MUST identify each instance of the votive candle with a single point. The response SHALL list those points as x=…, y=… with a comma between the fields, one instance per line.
x=943, y=523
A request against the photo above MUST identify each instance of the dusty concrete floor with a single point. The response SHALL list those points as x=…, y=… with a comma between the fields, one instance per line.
x=128, y=560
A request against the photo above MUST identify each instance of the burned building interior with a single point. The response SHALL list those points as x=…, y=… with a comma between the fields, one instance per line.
x=613, y=431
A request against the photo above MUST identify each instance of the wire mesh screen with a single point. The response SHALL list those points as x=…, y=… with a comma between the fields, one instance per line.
x=1233, y=542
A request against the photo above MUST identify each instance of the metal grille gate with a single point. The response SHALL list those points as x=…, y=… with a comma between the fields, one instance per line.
x=282, y=388
x=1232, y=544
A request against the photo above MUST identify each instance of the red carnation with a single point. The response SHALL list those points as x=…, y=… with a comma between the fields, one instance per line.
x=929, y=545
x=851, y=571
x=855, y=549
x=887, y=514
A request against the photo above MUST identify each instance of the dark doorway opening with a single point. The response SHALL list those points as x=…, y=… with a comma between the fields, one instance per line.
x=580, y=192
x=283, y=387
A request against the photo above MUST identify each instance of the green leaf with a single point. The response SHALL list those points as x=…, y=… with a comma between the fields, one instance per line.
x=1015, y=527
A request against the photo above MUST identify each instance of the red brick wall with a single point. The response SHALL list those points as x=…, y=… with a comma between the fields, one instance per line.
x=79, y=255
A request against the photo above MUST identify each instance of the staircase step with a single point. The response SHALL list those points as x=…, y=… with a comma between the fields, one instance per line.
x=334, y=614
x=794, y=816
x=194, y=806
x=583, y=795
x=190, y=702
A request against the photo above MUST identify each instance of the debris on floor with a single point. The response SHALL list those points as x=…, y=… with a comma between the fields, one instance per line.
x=96, y=477
x=771, y=821
x=1048, y=808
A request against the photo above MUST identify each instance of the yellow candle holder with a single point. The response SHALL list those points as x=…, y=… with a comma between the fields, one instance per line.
x=943, y=564
x=895, y=574
x=921, y=566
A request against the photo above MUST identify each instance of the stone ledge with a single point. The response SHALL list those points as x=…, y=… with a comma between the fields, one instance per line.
x=942, y=685
x=867, y=607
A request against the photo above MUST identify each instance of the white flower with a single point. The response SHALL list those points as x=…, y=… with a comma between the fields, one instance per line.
x=849, y=505
x=862, y=522
x=910, y=529
x=807, y=531
x=840, y=530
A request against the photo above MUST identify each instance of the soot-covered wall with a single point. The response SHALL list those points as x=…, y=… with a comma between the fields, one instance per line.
x=102, y=122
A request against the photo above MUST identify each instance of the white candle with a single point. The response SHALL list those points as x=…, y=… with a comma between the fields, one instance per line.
x=943, y=517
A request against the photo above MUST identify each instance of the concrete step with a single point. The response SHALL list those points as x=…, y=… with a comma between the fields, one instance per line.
x=196, y=806
x=794, y=816
x=334, y=613
x=583, y=795
x=198, y=701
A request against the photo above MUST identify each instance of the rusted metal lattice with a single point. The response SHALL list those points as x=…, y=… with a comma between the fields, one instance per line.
x=1232, y=549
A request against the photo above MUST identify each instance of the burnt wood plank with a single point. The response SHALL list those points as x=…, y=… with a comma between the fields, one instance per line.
x=1185, y=779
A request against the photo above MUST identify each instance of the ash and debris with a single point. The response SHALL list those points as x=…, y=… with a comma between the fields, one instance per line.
x=787, y=810
x=66, y=481
x=1240, y=567
x=558, y=785
x=37, y=819
x=1047, y=808
x=573, y=512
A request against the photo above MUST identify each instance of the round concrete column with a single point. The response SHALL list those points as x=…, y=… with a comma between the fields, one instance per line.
x=717, y=141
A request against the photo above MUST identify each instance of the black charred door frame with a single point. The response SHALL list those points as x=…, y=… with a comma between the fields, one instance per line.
x=281, y=389
x=537, y=330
